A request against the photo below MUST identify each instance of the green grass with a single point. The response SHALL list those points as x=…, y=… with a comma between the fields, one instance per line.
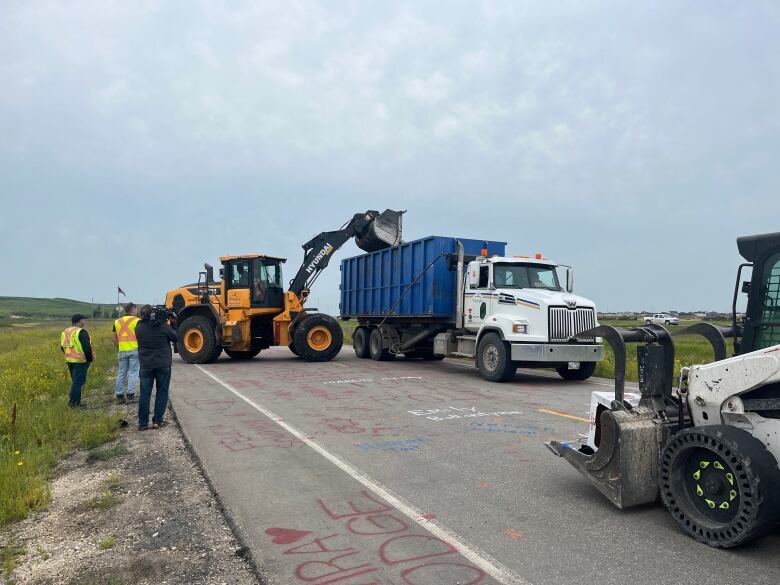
x=689, y=350
x=106, y=453
x=107, y=543
x=8, y=555
x=37, y=428
x=45, y=307
x=103, y=501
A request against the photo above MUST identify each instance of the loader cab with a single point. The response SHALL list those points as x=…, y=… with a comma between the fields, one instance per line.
x=253, y=282
x=762, y=317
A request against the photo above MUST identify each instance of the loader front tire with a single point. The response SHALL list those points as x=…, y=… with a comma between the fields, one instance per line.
x=720, y=484
x=360, y=342
x=197, y=340
x=584, y=372
x=318, y=338
x=493, y=359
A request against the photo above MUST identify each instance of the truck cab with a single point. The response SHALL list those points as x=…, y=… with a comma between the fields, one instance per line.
x=520, y=311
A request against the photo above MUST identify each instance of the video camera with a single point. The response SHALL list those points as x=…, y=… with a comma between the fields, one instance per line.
x=160, y=314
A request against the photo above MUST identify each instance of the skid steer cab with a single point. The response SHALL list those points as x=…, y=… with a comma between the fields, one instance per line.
x=248, y=309
x=709, y=448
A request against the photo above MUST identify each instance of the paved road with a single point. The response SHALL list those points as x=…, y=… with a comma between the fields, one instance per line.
x=355, y=472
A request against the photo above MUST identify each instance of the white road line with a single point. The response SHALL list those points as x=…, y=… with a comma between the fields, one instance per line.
x=480, y=558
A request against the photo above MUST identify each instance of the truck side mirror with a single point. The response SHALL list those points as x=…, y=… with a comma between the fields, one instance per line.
x=222, y=274
x=569, y=280
x=746, y=287
x=472, y=276
x=209, y=273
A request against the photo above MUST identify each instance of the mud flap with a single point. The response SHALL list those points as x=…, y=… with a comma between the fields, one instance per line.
x=625, y=466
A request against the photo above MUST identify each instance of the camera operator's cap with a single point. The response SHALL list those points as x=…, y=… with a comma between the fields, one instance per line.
x=76, y=318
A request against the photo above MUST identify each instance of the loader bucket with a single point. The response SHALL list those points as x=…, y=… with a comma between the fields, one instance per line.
x=622, y=460
x=384, y=232
x=625, y=466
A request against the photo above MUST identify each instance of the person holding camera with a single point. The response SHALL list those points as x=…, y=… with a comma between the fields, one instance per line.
x=155, y=335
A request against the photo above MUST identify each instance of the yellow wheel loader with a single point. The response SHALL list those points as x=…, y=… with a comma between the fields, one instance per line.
x=710, y=447
x=248, y=310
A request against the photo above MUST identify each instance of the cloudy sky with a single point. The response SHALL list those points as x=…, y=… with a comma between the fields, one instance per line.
x=633, y=140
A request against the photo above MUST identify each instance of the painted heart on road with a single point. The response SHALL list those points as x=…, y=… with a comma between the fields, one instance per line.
x=286, y=535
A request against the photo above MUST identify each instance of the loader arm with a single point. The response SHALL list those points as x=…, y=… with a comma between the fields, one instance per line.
x=318, y=251
x=372, y=231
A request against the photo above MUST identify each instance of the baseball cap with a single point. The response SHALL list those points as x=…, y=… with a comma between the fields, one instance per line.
x=76, y=318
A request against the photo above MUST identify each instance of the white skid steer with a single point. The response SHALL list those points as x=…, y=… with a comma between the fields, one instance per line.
x=710, y=447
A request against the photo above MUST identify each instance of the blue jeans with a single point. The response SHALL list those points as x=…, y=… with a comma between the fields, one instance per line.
x=78, y=377
x=128, y=370
x=161, y=378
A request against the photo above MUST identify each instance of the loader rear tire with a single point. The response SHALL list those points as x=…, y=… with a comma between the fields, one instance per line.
x=318, y=338
x=493, y=359
x=197, y=340
x=586, y=371
x=720, y=484
x=360, y=342
x=376, y=350
x=242, y=355
x=292, y=349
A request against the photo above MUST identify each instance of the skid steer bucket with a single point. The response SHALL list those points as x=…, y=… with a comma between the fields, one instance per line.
x=622, y=459
x=384, y=232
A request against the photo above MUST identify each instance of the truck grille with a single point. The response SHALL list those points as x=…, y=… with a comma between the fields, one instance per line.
x=566, y=323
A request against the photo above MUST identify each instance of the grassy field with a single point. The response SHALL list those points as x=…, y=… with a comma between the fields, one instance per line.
x=43, y=307
x=689, y=349
x=37, y=428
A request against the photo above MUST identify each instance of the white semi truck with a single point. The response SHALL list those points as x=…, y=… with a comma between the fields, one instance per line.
x=440, y=297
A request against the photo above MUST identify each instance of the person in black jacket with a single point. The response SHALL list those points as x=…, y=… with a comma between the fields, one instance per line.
x=155, y=357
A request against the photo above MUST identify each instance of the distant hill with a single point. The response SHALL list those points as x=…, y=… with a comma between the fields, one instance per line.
x=52, y=308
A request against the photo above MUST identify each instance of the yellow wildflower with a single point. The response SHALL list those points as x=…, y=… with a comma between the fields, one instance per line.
x=20, y=463
x=17, y=452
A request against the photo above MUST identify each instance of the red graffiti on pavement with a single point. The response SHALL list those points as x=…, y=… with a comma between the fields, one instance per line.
x=367, y=537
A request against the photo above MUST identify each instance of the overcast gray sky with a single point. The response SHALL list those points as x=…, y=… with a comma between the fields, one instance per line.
x=633, y=140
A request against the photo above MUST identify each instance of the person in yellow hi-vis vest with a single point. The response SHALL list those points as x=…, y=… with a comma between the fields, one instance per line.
x=127, y=347
x=77, y=347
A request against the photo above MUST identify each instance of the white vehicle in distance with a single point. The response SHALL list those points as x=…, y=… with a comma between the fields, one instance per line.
x=661, y=319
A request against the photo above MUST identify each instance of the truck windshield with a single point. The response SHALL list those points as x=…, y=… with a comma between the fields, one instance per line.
x=517, y=275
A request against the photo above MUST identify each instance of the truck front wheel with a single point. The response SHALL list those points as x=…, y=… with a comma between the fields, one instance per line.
x=493, y=359
x=583, y=373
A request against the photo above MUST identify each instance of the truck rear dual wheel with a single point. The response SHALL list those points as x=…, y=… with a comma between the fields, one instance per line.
x=720, y=484
x=318, y=338
x=360, y=342
x=197, y=340
x=493, y=359
x=584, y=372
x=376, y=348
